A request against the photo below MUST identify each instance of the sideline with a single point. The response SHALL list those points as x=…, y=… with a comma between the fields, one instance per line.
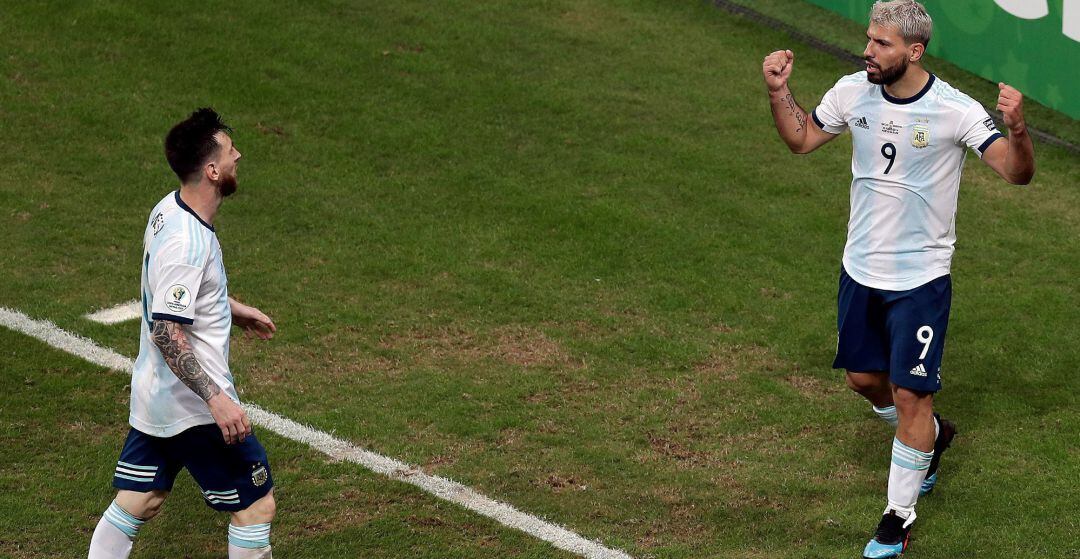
x=333, y=447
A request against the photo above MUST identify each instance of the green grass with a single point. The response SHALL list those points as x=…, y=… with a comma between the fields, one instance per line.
x=553, y=250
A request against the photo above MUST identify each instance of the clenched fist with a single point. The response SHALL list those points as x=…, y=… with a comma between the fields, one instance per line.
x=777, y=68
x=1011, y=104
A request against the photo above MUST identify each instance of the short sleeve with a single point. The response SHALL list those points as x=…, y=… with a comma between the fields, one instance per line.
x=977, y=130
x=175, y=275
x=829, y=114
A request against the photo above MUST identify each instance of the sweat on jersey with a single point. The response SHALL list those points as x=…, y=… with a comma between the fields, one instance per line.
x=907, y=157
x=183, y=280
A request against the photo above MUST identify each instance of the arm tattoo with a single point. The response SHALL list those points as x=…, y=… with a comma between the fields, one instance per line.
x=796, y=111
x=174, y=346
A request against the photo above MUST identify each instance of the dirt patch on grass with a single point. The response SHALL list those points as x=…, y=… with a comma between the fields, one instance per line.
x=517, y=345
x=729, y=362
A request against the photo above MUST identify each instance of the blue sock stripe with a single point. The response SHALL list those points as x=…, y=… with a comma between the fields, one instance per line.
x=250, y=537
x=123, y=521
x=910, y=458
x=897, y=445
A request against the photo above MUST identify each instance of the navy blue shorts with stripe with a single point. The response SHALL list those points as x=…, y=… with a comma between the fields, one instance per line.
x=231, y=477
x=901, y=332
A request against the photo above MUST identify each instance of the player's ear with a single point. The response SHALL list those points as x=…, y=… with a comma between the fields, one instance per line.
x=916, y=52
x=211, y=171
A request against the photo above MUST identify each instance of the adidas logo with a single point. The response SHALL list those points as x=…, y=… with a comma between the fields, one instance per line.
x=919, y=371
x=861, y=123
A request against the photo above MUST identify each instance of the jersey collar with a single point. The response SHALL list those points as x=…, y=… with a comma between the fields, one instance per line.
x=913, y=98
x=187, y=208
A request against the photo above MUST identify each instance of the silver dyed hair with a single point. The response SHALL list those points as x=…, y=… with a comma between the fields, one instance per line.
x=908, y=16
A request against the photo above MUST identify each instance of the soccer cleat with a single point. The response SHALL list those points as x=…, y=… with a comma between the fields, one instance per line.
x=944, y=439
x=891, y=538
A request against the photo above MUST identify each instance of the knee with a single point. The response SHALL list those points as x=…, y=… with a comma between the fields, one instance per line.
x=911, y=403
x=260, y=512
x=142, y=505
x=864, y=383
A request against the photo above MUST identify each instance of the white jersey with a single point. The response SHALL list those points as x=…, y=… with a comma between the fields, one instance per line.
x=907, y=157
x=183, y=280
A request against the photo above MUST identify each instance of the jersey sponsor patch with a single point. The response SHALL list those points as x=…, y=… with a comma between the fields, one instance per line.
x=920, y=135
x=178, y=298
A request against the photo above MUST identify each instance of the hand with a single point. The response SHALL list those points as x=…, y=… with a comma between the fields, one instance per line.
x=777, y=68
x=252, y=320
x=1011, y=104
x=230, y=418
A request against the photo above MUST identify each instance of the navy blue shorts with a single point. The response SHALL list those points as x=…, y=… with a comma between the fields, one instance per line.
x=899, y=332
x=231, y=477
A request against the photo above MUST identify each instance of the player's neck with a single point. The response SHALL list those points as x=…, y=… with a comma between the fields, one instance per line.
x=913, y=81
x=203, y=199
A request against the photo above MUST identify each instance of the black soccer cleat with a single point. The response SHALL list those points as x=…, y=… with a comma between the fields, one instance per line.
x=891, y=538
x=945, y=437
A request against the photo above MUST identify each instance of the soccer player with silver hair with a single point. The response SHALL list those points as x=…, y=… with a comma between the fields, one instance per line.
x=909, y=133
x=185, y=412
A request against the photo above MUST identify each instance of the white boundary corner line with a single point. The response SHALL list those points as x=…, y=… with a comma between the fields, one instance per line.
x=115, y=315
x=333, y=447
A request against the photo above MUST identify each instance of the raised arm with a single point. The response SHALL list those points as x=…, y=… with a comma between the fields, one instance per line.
x=798, y=131
x=169, y=337
x=1013, y=159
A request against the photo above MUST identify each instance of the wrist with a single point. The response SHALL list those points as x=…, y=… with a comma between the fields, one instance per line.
x=1018, y=131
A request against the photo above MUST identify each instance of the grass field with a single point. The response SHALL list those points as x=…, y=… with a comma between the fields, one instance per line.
x=553, y=250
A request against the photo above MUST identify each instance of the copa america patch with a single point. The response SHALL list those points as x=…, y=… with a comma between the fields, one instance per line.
x=989, y=124
x=258, y=475
x=178, y=298
x=158, y=222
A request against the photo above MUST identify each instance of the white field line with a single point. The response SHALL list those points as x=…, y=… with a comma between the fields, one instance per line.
x=115, y=315
x=336, y=448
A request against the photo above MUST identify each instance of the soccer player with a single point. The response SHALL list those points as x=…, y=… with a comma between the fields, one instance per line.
x=184, y=409
x=909, y=133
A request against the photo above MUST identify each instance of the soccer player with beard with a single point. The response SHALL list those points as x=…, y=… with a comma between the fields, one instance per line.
x=909, y=134
x=185, y=412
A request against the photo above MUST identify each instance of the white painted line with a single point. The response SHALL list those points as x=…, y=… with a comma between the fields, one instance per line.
x=77, y=345
x=115, y=315
x=338, y=449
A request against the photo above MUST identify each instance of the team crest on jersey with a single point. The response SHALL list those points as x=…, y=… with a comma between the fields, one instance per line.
x=178, y=298
x=920, y=135
x=158, y=222
x=259, y=475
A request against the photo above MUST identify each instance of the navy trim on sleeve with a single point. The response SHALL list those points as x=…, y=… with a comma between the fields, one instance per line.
x=172, y=318
x=913, y=98
x=993, y=138
x=817, y=120
x=187, y=208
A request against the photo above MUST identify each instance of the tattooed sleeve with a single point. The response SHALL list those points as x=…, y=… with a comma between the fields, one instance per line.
x=169, y=337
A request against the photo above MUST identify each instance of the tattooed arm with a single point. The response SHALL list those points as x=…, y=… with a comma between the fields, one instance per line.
x=796, y=129
x=170, y=338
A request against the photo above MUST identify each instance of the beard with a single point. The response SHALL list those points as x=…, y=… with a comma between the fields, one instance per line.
x=888, y=76
x=226, y=185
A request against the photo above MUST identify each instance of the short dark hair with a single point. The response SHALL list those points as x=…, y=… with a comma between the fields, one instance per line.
x=190, y=143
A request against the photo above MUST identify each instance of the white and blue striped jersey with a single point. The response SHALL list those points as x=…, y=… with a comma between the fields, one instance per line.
x=907, y=158
x=183, y=280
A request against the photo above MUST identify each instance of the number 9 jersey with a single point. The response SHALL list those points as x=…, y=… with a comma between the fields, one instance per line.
x=907, y=158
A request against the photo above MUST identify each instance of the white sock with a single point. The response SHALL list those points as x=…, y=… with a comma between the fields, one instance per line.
x=906, y=475
x=114, y=534
x=249, y=542
x=888, y=414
